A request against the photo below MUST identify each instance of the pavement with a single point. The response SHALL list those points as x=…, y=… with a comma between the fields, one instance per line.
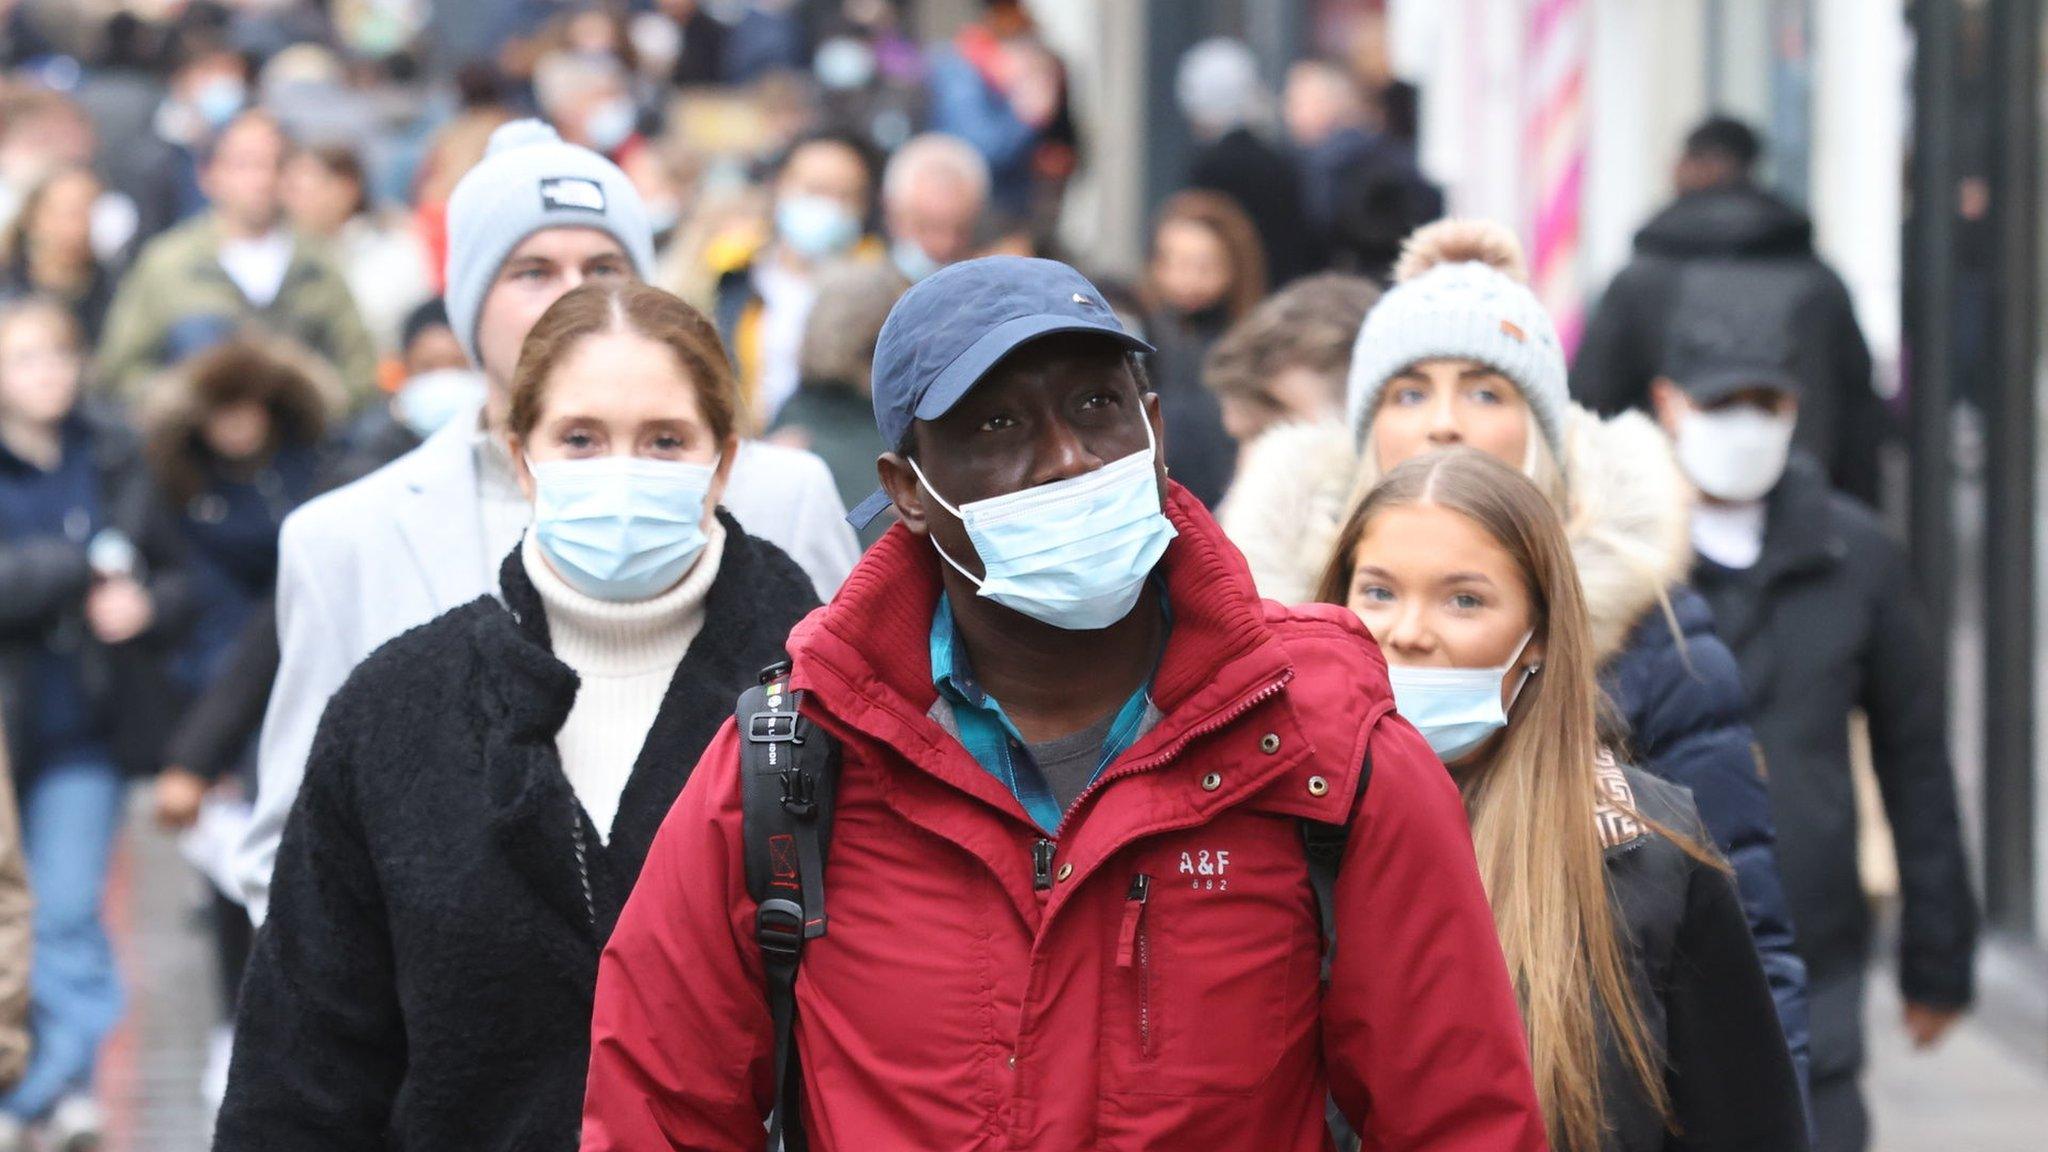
x=1985, y=1090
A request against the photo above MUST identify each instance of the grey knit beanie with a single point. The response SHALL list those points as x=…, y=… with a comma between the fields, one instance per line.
x=530, y=180
x=1461, y=294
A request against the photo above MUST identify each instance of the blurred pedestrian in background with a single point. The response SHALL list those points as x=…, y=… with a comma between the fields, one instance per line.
x=1286, y=362
x=1228, y=108
x=1818, y=604
x=96, y=595
x=486, y=787
x=832, y=413
x=823, y=193
x=1647, y=1010
x=1460, y=352
x=240, y=262
x=235, y=440
x=328, y=199
x=934, y=204
x=1281, y=372
x=1361, y=189
x=48, y=249
x=1205, y=273
x=1728, y=241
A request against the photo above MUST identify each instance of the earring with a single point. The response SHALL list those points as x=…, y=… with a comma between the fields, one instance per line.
x=1535, y=668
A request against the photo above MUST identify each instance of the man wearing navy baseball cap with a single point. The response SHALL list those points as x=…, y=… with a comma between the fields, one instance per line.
x=1081, y=774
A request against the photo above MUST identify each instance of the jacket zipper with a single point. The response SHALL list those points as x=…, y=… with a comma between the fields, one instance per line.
x=1041, y=864
x=1134, y=947
x=1181, y=741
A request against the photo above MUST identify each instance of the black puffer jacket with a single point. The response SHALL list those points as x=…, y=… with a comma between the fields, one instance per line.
x=1744, y=242
x=1703, y=996
x=43, y=583
x=1824, y=624
x=426, y=974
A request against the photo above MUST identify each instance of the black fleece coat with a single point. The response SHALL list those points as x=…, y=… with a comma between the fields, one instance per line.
x=1742, y=242
x=1728, y=1075
x=426, y=974
x=1827, y=623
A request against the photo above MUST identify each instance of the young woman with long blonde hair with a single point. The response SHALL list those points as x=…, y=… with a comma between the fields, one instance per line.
x=1650, y=1023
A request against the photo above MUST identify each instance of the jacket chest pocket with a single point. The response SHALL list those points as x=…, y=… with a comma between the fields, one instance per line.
x=1215, y=960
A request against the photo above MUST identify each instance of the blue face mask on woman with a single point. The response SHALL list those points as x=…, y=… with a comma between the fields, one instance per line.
x=1456, y=709
x=1075, y=553
x=620, y=528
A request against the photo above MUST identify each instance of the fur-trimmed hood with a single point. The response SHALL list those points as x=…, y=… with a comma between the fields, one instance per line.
x=304, y=395
x=1628, y=518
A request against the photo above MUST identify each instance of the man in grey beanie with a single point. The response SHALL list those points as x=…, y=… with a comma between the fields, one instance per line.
x=534, y=219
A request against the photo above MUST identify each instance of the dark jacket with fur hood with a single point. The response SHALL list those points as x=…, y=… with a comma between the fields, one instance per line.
x=426, y=974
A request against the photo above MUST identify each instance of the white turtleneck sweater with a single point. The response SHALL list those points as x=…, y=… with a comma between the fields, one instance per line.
x=625, y=655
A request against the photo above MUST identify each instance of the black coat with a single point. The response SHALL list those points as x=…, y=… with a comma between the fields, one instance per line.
x=425, y=977
x=1264, y=182
x=216, y=732
x=1824, y=624
x=1701, y=991
x=1746, y=243
x=43, y=584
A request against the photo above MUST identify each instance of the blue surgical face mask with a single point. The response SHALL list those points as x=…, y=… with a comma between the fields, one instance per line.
x=911, y=259
x=219, y=99
x=427, y=402
x=817, y=227
x=1075, y=553
x=1456, y=709
x=620, y=528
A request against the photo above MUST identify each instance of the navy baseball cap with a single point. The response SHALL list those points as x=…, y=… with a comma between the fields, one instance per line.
x=957, y=324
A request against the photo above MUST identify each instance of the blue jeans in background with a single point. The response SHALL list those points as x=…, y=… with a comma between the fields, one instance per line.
x=70, y=812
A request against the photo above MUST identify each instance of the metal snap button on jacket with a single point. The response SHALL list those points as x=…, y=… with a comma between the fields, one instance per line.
x=1317, y=786
x=1212, y=781
x=1269, y=743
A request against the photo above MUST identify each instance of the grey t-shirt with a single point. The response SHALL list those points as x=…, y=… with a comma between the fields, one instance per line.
x=1068, y=763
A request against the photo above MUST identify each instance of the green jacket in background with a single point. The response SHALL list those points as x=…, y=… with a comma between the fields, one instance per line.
x=179, y=277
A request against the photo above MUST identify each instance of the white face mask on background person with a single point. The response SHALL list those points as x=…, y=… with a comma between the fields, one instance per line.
x=817, y=227
x=611, y=124
x=1075, y=553
x=1457, y=709
x=620, y=528
x=1737, y=454
x=911, y=259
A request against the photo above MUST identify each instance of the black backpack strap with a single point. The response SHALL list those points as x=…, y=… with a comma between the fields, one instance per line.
x=1324, y=845
x=788, y=772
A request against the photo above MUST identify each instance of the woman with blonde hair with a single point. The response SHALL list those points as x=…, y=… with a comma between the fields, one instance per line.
x=1460, y=352
x=1650, y=1023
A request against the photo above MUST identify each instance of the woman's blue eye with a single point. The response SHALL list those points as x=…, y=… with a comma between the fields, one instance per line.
x=1409, y=396
x=1376, y=594
x=1465, y=601
x=1488, y=396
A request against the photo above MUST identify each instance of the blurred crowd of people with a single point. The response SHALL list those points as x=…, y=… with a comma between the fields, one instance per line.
x=293, y=297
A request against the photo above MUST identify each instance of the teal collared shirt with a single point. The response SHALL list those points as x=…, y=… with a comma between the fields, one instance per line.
x=987, y=734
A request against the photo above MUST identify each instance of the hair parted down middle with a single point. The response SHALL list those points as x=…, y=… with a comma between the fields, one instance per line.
x=596, y=309
x=1531, y=806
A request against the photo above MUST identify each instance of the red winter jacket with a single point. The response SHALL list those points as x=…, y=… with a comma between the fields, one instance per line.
x=951, y=1006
